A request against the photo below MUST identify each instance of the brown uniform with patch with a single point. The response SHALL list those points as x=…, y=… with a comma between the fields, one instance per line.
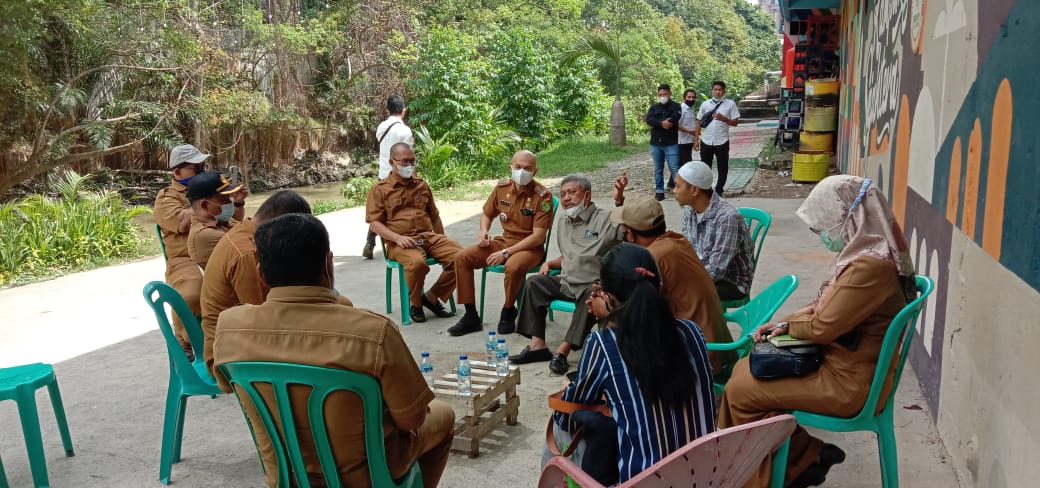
x=181, y=272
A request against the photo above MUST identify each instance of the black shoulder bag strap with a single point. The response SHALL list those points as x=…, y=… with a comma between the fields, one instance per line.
x=706, y=119
x=391, y=127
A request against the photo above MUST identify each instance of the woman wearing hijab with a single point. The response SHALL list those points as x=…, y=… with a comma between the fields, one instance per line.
x=653, y=369
x=872, y=280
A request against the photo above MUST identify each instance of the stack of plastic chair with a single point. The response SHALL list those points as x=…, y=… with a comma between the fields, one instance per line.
x=19, y=383
x=187, y=378
x=282, y=427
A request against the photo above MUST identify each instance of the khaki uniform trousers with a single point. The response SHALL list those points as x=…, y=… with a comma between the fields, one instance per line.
x=542, y=290
x=413, y=260
x=475, y=257
x=184, y=276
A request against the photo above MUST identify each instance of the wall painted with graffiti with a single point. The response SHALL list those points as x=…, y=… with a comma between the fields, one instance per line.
x=940, y=104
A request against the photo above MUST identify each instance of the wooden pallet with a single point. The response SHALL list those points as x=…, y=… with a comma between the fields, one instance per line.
x=493, y=399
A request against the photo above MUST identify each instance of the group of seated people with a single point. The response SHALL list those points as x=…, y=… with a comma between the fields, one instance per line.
x=267, y=294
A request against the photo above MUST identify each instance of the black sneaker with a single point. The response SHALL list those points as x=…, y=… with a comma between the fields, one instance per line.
x=558, y=364
x=417, y=314
x=435, y=307
x=367, y=251
x=816, y=473
x=528, y=356
x=507, y=321
x=468, y=323
x=660, y=196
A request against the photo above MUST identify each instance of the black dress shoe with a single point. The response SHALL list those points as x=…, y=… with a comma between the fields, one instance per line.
x=435, y=307
x=816, y=473
x=467, y=324
x=559, y=364
x=417, y=314
x=660, y=197
x=507, y=321
x=529, y=356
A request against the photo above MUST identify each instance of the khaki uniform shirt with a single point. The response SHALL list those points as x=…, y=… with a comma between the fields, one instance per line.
x=583, y=241
x=204, y=236
x=688, y=286
x=405, y=206
x=521, y=211
x=167, y=212
x=230, y=280
x=307, y=325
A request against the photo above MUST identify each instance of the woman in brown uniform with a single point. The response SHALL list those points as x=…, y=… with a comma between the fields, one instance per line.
x=871, y=282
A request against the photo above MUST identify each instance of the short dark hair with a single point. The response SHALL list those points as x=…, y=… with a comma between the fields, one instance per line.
x=280, y=203
x=688, y=91
x=653, y=232
x=395, y=104
x=293, y=250
x=718, y=83
x=664, y=86
x=397, y=147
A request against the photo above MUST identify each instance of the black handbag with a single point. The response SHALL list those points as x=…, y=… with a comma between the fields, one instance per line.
x=769, y=362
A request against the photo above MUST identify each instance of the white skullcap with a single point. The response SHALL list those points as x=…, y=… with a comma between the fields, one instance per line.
x=697, y=174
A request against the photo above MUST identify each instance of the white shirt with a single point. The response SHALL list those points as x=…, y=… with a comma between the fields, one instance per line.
x=688, y=120
x=399, y=132
x=717, y=132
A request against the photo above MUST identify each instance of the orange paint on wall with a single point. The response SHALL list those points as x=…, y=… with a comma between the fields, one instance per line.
x=901, y=168
x=875, y=148
x=996, y=177
x=971, y=180
x=953, y=195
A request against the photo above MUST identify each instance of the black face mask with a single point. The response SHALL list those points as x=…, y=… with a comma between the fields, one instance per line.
x=689, y=103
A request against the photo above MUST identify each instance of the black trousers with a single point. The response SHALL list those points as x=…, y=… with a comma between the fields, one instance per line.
x=685, y=153
x=601, y=446
x=720, y=152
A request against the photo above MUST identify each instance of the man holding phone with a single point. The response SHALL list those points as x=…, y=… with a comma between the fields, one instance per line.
x=716, y=116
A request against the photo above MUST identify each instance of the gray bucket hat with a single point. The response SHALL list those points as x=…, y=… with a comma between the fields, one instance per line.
x=186, y=154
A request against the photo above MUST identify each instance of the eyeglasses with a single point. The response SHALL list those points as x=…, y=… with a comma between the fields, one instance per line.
x=405, y=162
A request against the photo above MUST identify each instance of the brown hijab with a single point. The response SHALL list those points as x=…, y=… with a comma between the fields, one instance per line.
x=854, y=209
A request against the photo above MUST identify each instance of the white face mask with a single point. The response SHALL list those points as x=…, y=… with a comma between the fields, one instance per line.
x=572, y=212
x=663, y=100
x=522, y=176
x=406, y=172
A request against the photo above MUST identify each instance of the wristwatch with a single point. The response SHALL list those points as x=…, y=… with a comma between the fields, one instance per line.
x=240, y=204
x=505, y=253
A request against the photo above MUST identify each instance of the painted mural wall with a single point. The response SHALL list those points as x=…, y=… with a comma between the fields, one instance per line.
x=940, y=102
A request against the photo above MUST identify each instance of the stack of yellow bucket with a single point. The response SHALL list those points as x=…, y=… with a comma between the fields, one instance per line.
x=816, y=142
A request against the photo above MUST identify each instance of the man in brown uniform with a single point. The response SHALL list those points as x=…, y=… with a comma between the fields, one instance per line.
x=232, y=277
x=301, y=322
x=173, y=213
x=525, y=209
x=401, y=210
x=684, y=281
x=217, y=204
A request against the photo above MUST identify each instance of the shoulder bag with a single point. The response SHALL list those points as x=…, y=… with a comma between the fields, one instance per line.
x=769, y=362
x=706, y=119
x=557, y=403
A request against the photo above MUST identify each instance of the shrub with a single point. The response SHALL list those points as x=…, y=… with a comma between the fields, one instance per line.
x=355, y=191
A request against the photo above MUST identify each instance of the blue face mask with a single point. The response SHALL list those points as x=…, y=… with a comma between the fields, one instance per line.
x=185, y=181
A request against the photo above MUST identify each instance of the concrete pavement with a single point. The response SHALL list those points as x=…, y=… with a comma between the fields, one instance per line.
x=112, y=368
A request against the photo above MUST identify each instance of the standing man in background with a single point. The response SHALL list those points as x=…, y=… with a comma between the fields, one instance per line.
x=687, y=130
x=389, y=132
x=715, y=118
x=663, y=119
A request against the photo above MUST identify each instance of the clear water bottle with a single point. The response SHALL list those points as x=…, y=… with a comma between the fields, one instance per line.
x=491, y=346
x=464, y=373
x=426, y=368
x=502, y=358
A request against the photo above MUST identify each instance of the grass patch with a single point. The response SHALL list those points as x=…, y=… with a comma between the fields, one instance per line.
x=586, y=154
x=474, y=190
x=325, y=206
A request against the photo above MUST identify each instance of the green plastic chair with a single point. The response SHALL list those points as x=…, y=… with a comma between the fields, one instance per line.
x=759, y=310
x=323, y=381
x=391, y=265
x=758, y=222
x=19, y=383
x=500, y=268
x=896, y=346
x=162, y=244
x=186, y=378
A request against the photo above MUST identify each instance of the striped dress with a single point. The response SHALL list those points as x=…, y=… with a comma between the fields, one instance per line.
x=647, y=432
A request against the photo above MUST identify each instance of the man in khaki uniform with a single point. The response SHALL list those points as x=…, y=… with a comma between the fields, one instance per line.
x=301, y=322
x=217, y=204
x=401, y=210
x=584, y=234
x=172, y=212
x=684, y=280
x=525, y=209
x=232, y=277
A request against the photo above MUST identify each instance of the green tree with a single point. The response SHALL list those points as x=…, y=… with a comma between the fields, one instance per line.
x=522, y=86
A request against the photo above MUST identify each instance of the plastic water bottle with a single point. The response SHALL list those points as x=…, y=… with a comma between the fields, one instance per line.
x=426, y=368
x=491, y=346
x=464, y=373
x=502, y=358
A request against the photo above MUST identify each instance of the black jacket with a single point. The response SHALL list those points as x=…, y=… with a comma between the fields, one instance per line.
x=658, y=113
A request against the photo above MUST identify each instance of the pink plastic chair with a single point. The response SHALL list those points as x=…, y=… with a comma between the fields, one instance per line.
x=724, y=458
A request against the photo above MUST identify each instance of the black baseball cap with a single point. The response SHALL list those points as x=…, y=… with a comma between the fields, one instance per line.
x=211, y=183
